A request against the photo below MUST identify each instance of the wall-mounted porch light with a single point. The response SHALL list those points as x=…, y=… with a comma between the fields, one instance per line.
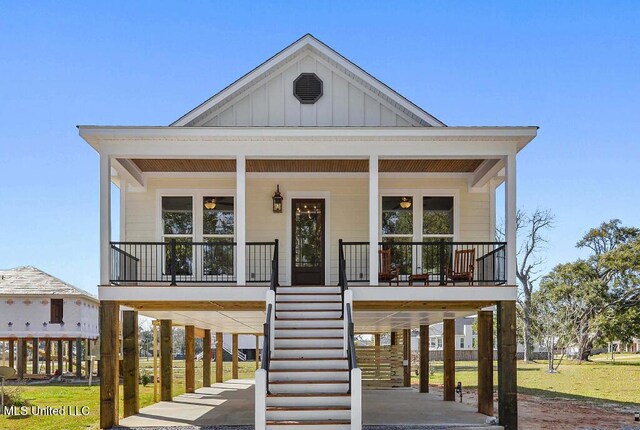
x=277, y=201
x=405, y=203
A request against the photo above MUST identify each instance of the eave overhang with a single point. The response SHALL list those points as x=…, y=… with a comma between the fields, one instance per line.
x=97, y=136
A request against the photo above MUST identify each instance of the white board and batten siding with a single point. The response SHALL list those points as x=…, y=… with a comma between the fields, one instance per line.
x=270, y=102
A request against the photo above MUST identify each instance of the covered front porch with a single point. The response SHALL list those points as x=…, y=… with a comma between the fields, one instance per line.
x=356, y=174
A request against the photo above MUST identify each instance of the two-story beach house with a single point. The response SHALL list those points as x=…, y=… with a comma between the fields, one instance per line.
x=308, y=200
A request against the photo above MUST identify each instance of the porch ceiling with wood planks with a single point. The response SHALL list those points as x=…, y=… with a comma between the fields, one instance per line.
x=308, y=165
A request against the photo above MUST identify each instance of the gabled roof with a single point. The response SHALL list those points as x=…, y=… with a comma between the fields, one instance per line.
x=419, y=116
x=29, y=280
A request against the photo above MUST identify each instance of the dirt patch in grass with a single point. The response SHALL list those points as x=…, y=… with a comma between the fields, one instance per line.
x=547, y=413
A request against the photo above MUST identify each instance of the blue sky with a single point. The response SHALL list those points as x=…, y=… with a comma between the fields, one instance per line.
x=572, y=68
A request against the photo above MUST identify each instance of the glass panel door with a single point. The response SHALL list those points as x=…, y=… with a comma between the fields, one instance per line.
x=307, y=242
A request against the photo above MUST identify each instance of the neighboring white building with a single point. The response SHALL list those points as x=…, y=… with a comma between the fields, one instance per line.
x=38, y=307
x=466, y=337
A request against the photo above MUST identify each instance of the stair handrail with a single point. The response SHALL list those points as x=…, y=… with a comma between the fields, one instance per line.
x=266, y=345
x=274, y=267
x=351, y=343
x=355, y=374
x=342, y=273
x=226, y=348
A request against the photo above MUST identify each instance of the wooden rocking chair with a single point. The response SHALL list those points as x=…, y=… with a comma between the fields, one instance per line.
x=463, y=266
x=386, y=273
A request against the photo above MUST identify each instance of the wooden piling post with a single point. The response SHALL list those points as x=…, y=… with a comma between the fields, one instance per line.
x=70, y=356
x=109, y=363
x=60, y=353
x=234, y=358
x=206, y=358
x=155, y=361
x=219, y=356
x=130, y=363
x=507, y=366
x=11, y=353
x=166, y=361
x=47, y=356
x=35, y=355
x=485, y=362
x=190, y=359
x=22, y=358
x=406, y=347
x=449, y=358
x=78, y=358
x=424, y=358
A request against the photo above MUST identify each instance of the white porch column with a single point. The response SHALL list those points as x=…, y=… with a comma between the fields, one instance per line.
x=105, y=218
x=373, y=220
x=241, y=225
x=123, y=209
x=510, y=216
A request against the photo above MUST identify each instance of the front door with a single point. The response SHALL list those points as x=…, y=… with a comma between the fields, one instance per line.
x=307, y=253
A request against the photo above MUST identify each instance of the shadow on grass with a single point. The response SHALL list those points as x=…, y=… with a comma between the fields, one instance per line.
x=558, y=395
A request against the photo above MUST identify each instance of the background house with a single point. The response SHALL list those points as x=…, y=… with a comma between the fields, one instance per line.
x=46, y=321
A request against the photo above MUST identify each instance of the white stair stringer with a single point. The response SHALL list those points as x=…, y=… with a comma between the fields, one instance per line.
x=309, y=373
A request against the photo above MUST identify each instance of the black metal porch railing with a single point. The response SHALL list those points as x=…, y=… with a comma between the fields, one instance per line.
x=432, y=263
x=181, y=261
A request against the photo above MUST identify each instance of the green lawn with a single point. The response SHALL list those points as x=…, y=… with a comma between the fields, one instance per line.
x=43, y=396
x=599, y=381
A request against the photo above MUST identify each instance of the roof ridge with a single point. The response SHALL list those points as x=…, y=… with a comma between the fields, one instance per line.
x=312, y=42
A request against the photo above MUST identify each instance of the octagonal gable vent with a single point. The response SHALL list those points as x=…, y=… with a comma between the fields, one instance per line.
x=307, y=88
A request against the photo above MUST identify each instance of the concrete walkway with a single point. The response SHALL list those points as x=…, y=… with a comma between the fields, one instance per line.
x=227, y=403
x=407, y=406
x=232, y=404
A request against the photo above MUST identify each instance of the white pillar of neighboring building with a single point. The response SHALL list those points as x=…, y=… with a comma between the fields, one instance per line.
x=510, y=211
x=241, y=225
x=373, y=220
x=105, y=218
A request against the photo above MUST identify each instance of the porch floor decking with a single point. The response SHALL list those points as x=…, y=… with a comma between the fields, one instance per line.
x=232, y=404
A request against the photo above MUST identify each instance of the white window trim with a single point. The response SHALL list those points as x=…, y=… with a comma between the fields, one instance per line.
x=288, y=197
x=417, y=195
x=196, y=194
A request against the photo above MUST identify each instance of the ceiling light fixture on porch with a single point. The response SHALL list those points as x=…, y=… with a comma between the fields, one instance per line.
x=210, y=204
x=277, y=201
x=405, y=203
